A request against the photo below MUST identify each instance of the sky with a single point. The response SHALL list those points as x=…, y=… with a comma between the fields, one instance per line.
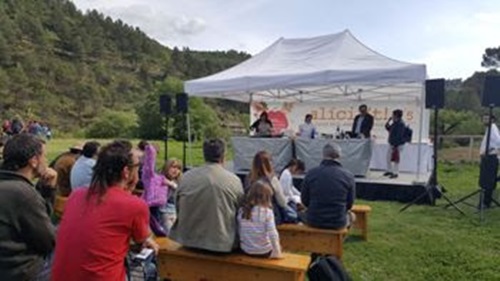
x=448, y=36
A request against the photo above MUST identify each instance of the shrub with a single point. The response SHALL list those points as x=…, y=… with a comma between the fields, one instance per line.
x=113, y=124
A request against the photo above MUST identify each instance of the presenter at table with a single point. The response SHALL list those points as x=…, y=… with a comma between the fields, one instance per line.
x=363, y=123
x=307, y=130
x=263, y=127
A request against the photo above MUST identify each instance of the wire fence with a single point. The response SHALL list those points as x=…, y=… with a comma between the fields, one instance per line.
x=459, y=148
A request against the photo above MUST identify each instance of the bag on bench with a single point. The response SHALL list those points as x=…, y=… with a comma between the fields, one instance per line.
x=141, y=268
x=323, y=268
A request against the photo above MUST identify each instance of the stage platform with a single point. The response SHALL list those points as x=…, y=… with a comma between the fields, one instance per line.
x=375, y=186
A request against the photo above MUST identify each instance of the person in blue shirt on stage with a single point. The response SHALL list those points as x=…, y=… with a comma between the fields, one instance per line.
x=363, y=123
x=307, y=130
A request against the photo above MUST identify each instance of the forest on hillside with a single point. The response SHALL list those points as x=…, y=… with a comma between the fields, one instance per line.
x=86, y=74
x=73, y=70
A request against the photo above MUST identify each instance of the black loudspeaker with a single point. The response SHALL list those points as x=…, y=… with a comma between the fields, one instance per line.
x=488, y=172
x=181, y=103
x=165, y=104
x=434, y=93
x=491, y=92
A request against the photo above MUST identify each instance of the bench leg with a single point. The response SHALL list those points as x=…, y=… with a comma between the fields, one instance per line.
x=363, y=226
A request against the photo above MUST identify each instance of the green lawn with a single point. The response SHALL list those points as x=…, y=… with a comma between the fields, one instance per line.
x=423, y=243
x=57, y=146
x=429, y=242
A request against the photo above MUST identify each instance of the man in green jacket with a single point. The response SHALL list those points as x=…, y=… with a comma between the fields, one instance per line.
x=208, y=199
x=26, y=233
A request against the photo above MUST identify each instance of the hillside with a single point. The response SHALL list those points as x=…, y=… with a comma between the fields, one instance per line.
x=65, y=67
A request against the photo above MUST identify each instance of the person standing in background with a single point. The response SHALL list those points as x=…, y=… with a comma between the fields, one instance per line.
x=396, y=128
x=263, y=127
x=363, y=123
x=307, y=130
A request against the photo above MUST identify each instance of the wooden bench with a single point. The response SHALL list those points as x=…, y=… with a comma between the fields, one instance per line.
x=178, y=263
x=302, y=238
x=361, y=223
x=59, y=205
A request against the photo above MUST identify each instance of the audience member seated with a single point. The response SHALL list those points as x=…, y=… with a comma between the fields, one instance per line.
x=63, y=165
x=257, y=229
x=155, y=189
x=173, y=173
x=81, y=172
x=328, y=192
x=98, y=223
x=294, y=167
x=208, y=199
x=26, y=232
x=262, y=168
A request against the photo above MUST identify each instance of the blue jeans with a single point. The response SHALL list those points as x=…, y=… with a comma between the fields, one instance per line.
x=168, y=216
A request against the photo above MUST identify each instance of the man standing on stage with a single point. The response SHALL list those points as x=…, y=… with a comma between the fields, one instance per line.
x=307, y=130
x=363, y=123
x=396, y=128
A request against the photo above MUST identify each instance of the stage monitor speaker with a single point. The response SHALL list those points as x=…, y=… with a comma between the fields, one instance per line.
x=491, y=92
x=488, y=171
x=165, y=104
x=434, y=93
x=181, y=103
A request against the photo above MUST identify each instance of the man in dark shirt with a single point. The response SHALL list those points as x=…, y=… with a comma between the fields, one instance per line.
x=329, y=192
x=363, y=123
x=26, y=233
x=396, y=128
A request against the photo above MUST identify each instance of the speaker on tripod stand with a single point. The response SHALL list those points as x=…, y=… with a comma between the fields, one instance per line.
x=434, y=99
x=182, y=106
x=166, y=111
x=489, y=159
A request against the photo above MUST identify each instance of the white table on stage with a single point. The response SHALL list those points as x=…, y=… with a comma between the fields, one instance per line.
x=408, y=157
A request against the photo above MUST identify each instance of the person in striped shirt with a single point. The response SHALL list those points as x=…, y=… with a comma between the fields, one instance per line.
x=257, y=229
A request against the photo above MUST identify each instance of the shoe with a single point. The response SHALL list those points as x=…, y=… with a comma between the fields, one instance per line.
x=387, y=174
x=393, y=176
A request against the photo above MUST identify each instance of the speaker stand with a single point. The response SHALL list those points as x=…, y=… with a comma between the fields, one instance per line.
x=481, y=190
x=432, y=186
x=165, y=138
x=184, y=137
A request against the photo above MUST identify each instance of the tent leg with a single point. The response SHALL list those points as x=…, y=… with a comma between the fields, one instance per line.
x=420, y=130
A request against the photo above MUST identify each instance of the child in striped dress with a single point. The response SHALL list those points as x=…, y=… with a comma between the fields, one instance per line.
x=258, y=234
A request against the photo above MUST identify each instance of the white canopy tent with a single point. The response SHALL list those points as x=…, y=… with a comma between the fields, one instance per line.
x=325, y=68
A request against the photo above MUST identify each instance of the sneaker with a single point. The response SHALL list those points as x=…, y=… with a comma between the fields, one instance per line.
x=387, y=174
x=393, y=176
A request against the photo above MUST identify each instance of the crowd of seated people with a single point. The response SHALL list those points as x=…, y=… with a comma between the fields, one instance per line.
x=207, y=209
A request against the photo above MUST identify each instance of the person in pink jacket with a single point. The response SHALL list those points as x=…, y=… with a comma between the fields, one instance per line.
x=155, y=190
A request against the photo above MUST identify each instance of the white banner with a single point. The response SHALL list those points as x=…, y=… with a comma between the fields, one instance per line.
x=327, y=116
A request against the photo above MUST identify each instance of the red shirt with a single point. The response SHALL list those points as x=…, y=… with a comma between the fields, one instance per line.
x=93, y=239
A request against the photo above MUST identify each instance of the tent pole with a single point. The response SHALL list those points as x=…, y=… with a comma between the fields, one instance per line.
x=420, y=129
x=190, y=156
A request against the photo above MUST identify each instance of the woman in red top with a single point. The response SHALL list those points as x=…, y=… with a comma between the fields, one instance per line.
x=99, y=222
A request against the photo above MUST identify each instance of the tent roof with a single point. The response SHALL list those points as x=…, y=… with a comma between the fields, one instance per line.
x=312, y=69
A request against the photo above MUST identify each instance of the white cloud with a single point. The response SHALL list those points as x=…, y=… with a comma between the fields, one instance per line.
x=450, y=39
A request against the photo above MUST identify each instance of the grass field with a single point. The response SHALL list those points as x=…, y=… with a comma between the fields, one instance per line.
x=423, y=243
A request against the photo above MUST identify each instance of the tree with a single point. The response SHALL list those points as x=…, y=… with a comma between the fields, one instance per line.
x=113, y=124
x=491, y=58
x=5, y=56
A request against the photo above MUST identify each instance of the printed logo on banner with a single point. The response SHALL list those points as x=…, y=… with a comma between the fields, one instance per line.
x=328, y=116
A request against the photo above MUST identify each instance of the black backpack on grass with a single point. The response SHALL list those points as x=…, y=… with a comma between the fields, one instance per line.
x=326, y=268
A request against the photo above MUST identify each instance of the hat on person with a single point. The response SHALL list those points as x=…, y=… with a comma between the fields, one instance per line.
x=76, y=148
